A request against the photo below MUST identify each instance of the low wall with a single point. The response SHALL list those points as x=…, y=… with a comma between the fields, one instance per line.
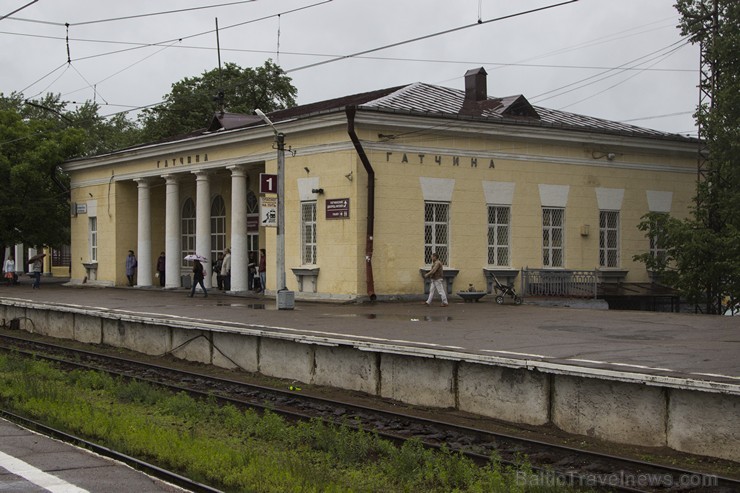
x=689, y=416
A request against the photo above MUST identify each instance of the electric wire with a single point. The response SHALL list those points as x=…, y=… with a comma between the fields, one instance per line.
x=18, y=9
x=659, y=60
x=113, y=19
x=428, y=36
x=560, y=90
x=337, y=58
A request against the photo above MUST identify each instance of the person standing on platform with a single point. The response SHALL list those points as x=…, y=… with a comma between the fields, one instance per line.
x=436, y=276
x=251, y=271
x=226, y=271
x=217, y=269
x=131, y=265
x=36, y=269
x=199, y=273
x=262, y=269
x=161, y=262
x=9, y=271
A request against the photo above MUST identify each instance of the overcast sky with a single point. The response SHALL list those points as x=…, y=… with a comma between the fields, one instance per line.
x=622, y=60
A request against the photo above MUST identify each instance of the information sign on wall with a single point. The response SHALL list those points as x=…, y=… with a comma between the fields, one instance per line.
x=337, y=208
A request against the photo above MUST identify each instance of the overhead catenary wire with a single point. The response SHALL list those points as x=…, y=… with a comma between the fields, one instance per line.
x=659, y=60
x=128, y=17
x=428, y=36
x=18, y=9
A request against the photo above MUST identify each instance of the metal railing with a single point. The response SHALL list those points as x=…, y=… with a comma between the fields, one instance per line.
x=566, y=283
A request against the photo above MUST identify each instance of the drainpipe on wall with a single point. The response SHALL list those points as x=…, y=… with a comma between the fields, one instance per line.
x=351, y=110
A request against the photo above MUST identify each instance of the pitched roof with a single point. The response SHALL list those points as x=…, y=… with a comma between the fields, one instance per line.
x=443, y=102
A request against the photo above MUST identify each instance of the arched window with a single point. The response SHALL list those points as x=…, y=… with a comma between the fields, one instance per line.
x=188, y=230
x=218, y=226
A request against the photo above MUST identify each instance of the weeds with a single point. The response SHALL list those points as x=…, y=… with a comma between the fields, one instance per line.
x=239, y=450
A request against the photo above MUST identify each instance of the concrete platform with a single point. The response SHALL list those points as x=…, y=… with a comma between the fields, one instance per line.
x=33, y=463
x=661, y=379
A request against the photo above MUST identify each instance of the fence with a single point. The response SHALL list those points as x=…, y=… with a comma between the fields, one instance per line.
x=567, y=283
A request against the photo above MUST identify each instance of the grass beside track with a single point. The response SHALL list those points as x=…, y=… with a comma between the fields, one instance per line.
x=241, y=450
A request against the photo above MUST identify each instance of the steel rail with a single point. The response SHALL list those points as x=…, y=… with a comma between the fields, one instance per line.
x=658, y=469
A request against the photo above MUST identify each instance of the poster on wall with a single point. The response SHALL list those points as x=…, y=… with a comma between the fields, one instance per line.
x=268, y=212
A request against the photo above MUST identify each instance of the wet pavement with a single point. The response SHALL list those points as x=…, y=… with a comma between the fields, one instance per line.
x=691, y=346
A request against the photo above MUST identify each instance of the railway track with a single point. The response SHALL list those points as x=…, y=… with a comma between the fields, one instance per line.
x=554, y=463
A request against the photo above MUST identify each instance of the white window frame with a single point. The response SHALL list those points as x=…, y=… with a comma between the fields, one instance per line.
x=553, y=237
x=218, y=226
x=609, y=239
x=93, y=238
x=187, y=230
x=309, y=239
x=656, y=251
x=436, y=231
x=499, y=235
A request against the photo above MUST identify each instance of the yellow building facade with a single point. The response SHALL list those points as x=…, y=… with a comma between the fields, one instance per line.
x=376, y=182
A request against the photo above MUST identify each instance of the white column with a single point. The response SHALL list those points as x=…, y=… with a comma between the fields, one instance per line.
x=19, y=260
x=172, y=235
x=203, y=221
x=239, y=261
x=144, y=232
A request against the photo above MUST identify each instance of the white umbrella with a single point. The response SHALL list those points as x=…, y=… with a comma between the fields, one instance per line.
x=193, y=256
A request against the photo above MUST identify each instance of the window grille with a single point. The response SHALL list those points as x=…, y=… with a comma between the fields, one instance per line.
x=609, y=238
x=93, y=239
x=61, y=257
x=308, y=232
x=553, y=220
x=188, y=230
x=499, y=224
x=436, y=231
x=656, y=248
x=218, y=227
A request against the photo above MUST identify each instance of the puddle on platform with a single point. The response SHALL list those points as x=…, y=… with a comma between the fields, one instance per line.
x=251, y=306
x=391, y=316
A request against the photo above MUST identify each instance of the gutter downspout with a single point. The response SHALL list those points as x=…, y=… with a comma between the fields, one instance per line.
x=351, y=110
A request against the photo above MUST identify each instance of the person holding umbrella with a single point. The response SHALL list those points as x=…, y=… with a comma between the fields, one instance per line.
x=36, y=268
x=199, y=273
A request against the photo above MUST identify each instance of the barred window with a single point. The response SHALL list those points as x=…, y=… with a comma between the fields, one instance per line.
x=553, y=220
x=188, y=230
x=93, y=239
x=436, y=231
x=218, y=227
x=657, y=228
x=609, y=238
x=499, y=224
x=308, y=232
x=61, y=257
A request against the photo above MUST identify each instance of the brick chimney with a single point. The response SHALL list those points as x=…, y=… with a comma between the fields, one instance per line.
x=475, y=85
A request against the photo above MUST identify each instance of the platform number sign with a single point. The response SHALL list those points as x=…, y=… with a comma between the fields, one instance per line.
x=268, y=183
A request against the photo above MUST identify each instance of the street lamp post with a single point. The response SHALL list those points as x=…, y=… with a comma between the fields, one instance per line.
x=284, y=299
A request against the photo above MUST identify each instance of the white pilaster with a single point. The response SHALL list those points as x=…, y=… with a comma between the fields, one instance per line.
x=144, y=233
x=172, y=234
x=203, y=221
x=239, y=261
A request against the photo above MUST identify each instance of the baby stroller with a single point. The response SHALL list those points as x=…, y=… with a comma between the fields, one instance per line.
x=504, y=290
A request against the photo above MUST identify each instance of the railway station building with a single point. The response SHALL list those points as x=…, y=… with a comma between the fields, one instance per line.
x=375, y=183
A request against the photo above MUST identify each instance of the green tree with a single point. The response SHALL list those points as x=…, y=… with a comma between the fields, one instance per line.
x=193, y=101
x=702, y=252
x=34, y=140
x=103, y=134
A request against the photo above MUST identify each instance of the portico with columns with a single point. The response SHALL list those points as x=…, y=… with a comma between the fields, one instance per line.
x=173, y=209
